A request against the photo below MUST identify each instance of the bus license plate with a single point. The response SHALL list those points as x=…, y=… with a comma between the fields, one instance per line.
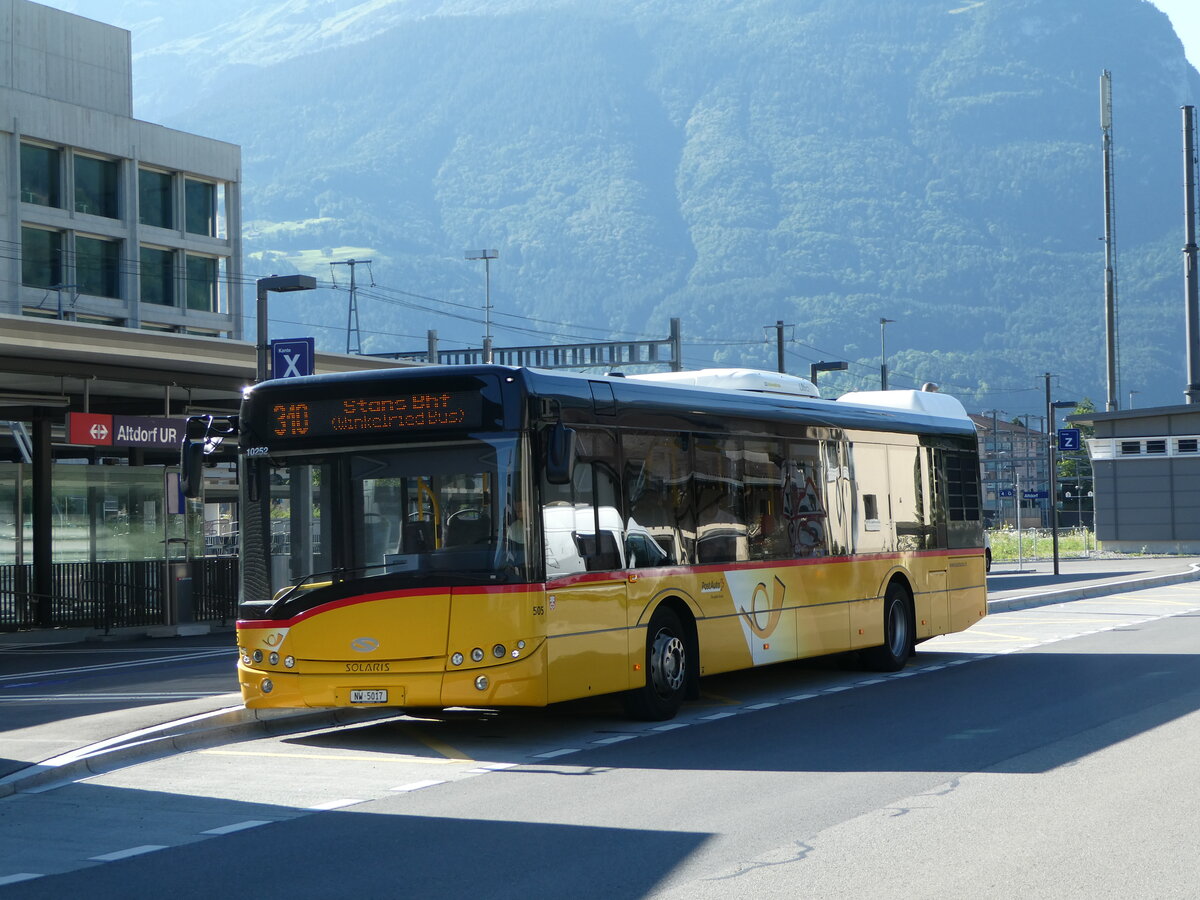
x=368, y=696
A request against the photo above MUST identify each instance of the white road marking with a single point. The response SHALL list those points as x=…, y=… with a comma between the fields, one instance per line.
x=615, y=738
x=416, y=786
x=238, y=826
x=550, y=754
x=19, y=876
x=125, y=854
x=106, y=667
x=335, y=804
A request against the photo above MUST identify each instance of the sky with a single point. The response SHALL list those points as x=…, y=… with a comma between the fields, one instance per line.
x=1185, y=16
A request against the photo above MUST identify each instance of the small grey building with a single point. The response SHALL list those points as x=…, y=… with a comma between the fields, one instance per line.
x=1146, y=464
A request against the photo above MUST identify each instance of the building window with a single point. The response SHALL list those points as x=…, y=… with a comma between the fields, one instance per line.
x=158, y=276
x=1158, y=446
x=202, y=283
x=1131, y=448
x=98, y=266
x=41, y=175
x=41, y=257
x=155, y=198
x=96, y=190
x=1188, y=445
x=200, y=199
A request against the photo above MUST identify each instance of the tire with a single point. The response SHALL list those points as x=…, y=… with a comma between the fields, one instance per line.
x=898, y=633
x=667, y=667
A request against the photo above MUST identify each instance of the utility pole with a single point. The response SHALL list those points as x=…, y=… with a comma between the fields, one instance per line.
x=1191, y=287
x=1110, y=241
x=779, y=326
x=487, y=256
x=353, y=334
x=883, y=354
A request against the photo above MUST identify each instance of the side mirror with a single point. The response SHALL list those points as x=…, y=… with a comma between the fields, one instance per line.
x=191, y=464
x=191, y=455
x=560, y=454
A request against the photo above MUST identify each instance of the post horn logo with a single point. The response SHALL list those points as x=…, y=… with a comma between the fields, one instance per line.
x=765, y=606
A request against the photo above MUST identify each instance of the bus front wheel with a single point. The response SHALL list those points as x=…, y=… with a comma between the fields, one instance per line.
x=666, y=670
x=898, y=632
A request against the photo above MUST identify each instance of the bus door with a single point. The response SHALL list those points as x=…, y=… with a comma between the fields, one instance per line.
x=932, y=604
x=586, y=587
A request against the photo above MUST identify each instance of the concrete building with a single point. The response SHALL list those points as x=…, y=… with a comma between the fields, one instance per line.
x=120, y=313
x=108, y=219
x=1146, y=464
x=1013, y=462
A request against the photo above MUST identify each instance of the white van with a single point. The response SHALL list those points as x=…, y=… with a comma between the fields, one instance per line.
x=573, y=545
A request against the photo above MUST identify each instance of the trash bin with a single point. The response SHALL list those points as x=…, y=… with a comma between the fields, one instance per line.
x=180, y=582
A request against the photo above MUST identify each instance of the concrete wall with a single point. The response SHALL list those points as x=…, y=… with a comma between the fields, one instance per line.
x=66, y=81
x=1146, y=501
x=54, y=54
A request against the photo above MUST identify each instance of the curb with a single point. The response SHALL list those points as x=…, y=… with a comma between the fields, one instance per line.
x=191, y=733
x=1028, y=601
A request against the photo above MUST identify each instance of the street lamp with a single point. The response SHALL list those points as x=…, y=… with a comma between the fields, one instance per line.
x=815, y=368
x=487, y=256
x=279, y=284
x=883, y=354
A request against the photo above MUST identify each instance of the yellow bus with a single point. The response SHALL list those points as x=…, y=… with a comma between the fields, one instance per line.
x=483, y=535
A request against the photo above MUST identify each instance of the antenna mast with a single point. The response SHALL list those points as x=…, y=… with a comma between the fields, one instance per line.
x=1110, y=242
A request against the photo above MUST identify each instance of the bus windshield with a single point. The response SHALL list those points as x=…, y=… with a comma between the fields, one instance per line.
x=446, y=511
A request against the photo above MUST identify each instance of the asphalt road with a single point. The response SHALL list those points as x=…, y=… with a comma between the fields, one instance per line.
x=48, y=683
x=1047, y=752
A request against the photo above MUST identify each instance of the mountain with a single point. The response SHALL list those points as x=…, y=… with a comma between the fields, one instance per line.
x=827, y=163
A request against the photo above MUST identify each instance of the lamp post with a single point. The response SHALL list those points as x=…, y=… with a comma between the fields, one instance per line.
x=487, y=256
x=279, y=284
x=817, y=367
x=883, y=353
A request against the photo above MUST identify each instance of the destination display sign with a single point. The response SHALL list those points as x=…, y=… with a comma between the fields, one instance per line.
x=354, y=416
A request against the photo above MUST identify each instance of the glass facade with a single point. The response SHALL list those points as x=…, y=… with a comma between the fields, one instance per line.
x=202, y=283
x=41, y=257
x=200, y=201
x=155, y=198
x=97, y=187
x=158, y=276
x=41, y=175
x=98, y=266
x=101, y=513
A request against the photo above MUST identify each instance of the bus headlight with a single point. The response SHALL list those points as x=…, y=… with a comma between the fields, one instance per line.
x=273, y=658
x=481, y=683
x=456, y=658
x=477, y=654
x=289, y=661
x=499, y=651
x=266, y=687
x=258, y=656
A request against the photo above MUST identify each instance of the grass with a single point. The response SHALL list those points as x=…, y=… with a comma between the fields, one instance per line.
x=1079, y=543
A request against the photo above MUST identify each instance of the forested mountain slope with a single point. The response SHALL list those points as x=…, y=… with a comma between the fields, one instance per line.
x=730, y=162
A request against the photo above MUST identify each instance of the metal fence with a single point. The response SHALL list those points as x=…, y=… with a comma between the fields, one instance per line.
x=107, y=595
x=215, y=588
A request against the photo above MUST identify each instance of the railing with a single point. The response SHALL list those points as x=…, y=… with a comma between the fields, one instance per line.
x=107, y=595
x=215, y=588
x=84, y=595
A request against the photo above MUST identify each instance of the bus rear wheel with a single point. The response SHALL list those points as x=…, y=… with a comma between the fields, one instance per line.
x=898, y=632
x=667, y=663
